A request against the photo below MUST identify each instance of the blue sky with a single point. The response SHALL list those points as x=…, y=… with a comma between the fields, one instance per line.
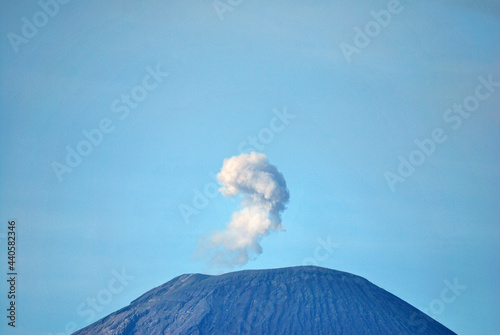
x=118, y=210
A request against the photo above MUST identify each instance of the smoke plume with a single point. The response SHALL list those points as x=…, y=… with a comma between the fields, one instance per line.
x=264, y=193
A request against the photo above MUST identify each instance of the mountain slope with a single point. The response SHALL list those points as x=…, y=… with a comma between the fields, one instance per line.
x=297, y=300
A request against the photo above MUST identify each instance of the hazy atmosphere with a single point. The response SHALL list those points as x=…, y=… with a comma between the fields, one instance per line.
x=142, y=140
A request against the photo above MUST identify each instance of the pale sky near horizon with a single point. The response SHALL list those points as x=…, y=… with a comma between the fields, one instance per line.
x=207, y=85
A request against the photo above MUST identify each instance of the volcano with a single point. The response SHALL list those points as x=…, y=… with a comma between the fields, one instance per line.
x=295, y=300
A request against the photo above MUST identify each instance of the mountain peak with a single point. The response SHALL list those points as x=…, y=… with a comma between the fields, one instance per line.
x=292, y=300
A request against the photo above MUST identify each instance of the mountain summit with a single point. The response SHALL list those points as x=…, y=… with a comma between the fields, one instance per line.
x=296, y=300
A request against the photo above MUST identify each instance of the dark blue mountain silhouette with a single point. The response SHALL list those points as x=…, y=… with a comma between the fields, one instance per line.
x=296, y=300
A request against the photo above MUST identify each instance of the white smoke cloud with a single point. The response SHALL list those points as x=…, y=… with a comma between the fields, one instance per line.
x=264, y=193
